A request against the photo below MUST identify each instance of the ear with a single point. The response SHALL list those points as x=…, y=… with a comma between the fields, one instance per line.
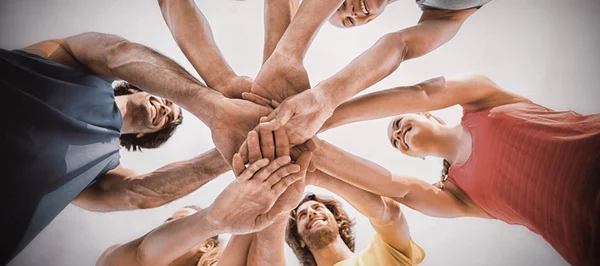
x=139, y=135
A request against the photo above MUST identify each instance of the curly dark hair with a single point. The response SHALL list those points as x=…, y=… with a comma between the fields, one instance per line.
x=292, y=237
x=148, y=141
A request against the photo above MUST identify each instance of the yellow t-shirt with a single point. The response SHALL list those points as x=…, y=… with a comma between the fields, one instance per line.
x=380, y=253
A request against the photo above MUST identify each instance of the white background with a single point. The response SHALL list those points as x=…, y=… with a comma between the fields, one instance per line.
x=544, y=50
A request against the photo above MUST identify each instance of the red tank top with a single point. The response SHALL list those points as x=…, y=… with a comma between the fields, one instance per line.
x=539, y=168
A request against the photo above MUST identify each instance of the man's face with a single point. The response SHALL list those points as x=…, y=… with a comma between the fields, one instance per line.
x=147, y=113
x=316, y=224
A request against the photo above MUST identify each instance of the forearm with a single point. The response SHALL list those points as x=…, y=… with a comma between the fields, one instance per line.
x=267, y=246
x=175, y=180
x=192, y=32
x=171, y=240
x=115, y=57
x=367, y=203
x=371, y=66
x=390, y=102
x=306, y=23
x=278, y=16
x=358, y=171
x=236, y=251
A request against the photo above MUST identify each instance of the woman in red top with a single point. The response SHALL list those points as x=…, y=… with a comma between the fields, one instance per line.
x=509, y=159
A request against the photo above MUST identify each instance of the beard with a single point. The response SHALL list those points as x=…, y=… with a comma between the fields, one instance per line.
x=139, y=116
x=321, y=237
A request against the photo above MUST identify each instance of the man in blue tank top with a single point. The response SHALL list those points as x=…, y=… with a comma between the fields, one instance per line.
x=64, y=123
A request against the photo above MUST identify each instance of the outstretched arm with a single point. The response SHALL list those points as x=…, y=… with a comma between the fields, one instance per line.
x=471, y=91
x=113, y=57
x=254, y=193
x=413, y=192
x=435, y=28
x=123, y=189
x=236, y=251
x=278, y=16
x=192, y=33
x=306, y=112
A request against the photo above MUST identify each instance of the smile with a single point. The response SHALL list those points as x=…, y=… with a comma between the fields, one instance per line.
x=317, y=222
x=363, y=6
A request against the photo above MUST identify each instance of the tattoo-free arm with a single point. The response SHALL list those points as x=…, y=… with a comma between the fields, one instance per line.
x=122, y=189
x=278, y=15
x=164, y=244
x=435, y=28
x=371, y=177
x=304, y=27
x=236, y=251
x=267, y=246
x=471, y=91
x=383, y=213
x=192, y=33
x=114, y=57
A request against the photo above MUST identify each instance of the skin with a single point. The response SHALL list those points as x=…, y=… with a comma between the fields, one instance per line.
x=256, y=192
x=304, y=114
x=415, y=135
x=145, y=113
x=351, y=14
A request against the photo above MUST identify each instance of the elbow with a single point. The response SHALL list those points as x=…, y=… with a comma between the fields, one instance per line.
x=390, y=212
x=117, y=51
x=396, y=46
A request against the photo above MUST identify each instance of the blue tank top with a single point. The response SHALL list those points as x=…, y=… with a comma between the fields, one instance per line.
x=61, y=130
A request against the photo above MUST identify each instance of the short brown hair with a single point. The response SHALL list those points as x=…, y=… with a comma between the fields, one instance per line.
x=151, y=140
x=292, y=237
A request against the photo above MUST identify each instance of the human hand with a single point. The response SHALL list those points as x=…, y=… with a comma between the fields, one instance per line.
x=303, y=115
x=246, y=205
x=233, y=119
x=280, y=77
x=234, y=87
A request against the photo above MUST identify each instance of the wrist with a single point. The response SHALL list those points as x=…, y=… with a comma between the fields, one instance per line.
x=211, y=222
x=204, y=104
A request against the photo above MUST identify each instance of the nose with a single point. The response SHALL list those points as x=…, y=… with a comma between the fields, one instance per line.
x=311, y=212
x=164, y=110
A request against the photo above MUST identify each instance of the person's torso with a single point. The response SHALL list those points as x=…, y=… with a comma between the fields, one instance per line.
x=381, y=253
x=62, y=132
x=536, y=167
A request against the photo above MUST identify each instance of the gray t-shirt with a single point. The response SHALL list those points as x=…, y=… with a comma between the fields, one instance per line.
x=451, y=4
x=61, y=130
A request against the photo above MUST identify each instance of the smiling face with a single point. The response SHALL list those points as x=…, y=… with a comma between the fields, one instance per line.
x=147, y=113
x=413, y=134
x=357, y=12
x=316, y=224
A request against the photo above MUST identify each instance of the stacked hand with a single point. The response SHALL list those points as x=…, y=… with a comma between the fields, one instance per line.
x=253, y=201
x=275, y=145
x=280, y=77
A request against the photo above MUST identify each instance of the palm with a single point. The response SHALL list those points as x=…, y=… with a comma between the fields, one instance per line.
x=280, y=78
x=233, y=120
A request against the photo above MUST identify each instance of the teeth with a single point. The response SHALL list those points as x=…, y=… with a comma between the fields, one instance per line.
x=364, y=7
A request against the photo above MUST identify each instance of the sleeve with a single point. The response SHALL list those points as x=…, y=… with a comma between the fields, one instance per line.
x=415, y=254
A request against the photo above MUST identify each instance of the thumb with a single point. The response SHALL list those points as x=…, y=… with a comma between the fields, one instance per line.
x=279, y=117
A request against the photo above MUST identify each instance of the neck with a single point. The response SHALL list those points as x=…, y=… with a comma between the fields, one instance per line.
x=121, y=102
x=453, y=144
x=333, y=253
